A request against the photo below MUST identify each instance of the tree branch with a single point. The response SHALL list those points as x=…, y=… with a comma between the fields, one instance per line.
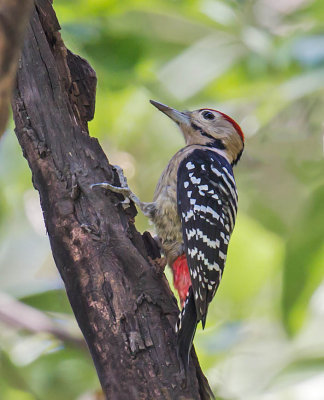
x=121, y=299
x=22, y=316
x=14, y=16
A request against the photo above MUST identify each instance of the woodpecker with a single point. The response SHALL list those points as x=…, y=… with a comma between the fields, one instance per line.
x=194, y=209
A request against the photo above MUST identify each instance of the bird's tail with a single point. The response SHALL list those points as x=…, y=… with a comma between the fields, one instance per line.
x=186, y=328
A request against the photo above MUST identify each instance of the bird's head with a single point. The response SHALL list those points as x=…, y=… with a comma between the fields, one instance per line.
x=210, y=128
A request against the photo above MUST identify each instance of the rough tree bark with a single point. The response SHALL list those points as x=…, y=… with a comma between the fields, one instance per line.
x=14, y=16
x=120, y=297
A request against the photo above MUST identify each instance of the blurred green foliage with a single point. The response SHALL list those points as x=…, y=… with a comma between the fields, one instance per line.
x=260, y=61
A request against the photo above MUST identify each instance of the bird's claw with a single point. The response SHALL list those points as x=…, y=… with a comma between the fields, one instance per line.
x=126, y=203
x=121, y=176
x=123, y=189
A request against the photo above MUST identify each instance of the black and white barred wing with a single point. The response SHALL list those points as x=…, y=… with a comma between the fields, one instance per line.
x=207, y=205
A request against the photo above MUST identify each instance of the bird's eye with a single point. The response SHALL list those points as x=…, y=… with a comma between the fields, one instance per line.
x=208, y=115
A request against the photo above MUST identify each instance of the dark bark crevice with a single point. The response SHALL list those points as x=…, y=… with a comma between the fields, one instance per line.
x=119, y=295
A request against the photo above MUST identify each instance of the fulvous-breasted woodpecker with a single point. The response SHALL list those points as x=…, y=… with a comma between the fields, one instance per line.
x=194, y=210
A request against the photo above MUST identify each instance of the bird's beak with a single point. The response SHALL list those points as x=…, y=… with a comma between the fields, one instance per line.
x=181, y=118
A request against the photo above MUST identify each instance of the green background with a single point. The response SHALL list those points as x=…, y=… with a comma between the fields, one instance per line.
x=261, y=62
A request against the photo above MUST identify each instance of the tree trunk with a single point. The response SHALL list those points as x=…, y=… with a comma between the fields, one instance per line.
x=120, y=297
x=14, y=16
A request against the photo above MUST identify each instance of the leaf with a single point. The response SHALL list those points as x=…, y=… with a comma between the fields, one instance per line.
x=304, y=266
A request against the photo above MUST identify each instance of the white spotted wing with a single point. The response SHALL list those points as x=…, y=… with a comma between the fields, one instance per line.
x=207, y=205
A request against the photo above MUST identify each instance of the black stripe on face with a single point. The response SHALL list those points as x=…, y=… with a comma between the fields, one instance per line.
x=237, y=159
x=195, y=127
x=216, y=143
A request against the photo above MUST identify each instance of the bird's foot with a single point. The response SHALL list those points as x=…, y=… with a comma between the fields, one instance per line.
x=124, y=190
x=120, y=190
